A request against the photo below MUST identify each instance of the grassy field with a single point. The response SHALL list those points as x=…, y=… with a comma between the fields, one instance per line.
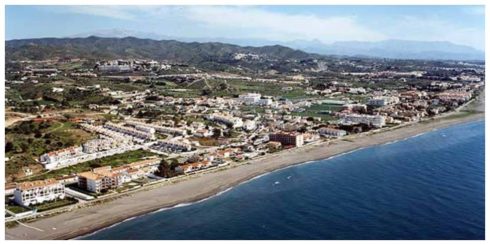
x=319, y=110
x=269, y=89
x=16, y=209
x=55, y=204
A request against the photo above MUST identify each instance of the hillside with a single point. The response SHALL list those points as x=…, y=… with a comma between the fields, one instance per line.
x=207, y=55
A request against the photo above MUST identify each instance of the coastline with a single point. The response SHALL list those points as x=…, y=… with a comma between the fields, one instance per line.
x=87, y=220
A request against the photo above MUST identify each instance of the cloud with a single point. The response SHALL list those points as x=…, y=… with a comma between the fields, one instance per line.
x=242, y=21
x=273, y=25
x=260, y=23
x=116, y=12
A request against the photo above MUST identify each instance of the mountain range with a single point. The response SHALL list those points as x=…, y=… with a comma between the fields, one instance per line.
x=394, y=49
x=208, y=55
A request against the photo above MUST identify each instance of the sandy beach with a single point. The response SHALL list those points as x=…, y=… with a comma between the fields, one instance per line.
x=89, y=219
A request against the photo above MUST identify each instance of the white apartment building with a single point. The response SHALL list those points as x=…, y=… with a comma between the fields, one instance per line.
x=234, y=122
x=161, y=129
x=145, y=128
x=109, y=133
x=63, y=157
x=357, y=90
x=104, y=178
x=459, y=96
x=332, y=132
x=35, y=192
x=293, y=138
x=90, y=150
x=249, y=98
x=249, y=125
x=383, y=100
x=99, y=179
x=265, y=102
x=370, y=120
x=97, y=145
x=115, y=66
x=255, y=99
x=172, y=146
x=130, y=131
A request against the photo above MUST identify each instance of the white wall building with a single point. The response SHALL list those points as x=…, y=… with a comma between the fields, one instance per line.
x=249, y=98
x=371, y=120
x=249, y=125
x=35, y=192
x=172, y=146
x=383, y=100
x=162, y=129
x=142, y=135
x=332, y=132
x=234, y=122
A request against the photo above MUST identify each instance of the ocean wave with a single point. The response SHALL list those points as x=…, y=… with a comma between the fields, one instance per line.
x=105, y=228
x=185, y=204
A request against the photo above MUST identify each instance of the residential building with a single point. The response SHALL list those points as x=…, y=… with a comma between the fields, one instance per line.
x=60, y=158
x=383, y=100
x=97, y=145
x=376, y=121
x=35, y=192
x=161, y=129
x=172, y=146
x=191, y=167
x=99, y=179
x=142, y=135
x=249, y=98
x=249, y=125
x=231, y=121
x=331, y=132
x=291, y=138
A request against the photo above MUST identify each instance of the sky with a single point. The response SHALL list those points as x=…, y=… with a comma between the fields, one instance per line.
x=457, y=24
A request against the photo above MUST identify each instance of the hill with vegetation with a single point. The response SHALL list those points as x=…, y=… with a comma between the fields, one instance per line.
x=212, y=55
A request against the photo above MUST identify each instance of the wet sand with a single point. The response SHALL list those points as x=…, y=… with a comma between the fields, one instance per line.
x=89, y=219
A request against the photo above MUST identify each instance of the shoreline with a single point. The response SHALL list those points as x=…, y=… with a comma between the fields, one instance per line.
x=85, y=221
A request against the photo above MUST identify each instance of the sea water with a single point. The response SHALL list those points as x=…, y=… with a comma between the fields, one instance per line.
x=425, y=187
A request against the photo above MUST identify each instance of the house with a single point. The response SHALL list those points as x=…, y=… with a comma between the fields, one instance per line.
x=191, y=167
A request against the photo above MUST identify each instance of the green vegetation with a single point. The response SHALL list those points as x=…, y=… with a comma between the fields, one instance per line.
x=16, y=209
x=11, y=224
x=213, y=56
x=250, y=109
x=268, y=89
x=319, y=110
x=26, y=141
x=55, y=204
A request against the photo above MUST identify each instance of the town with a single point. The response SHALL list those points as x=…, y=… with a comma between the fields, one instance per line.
x=80, y=129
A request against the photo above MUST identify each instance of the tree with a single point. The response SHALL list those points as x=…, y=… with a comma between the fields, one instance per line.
x=9, y=146
x=223, y=86
x=216, y=132
x=206, y=92
x=38, y=134
x=165, y=169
